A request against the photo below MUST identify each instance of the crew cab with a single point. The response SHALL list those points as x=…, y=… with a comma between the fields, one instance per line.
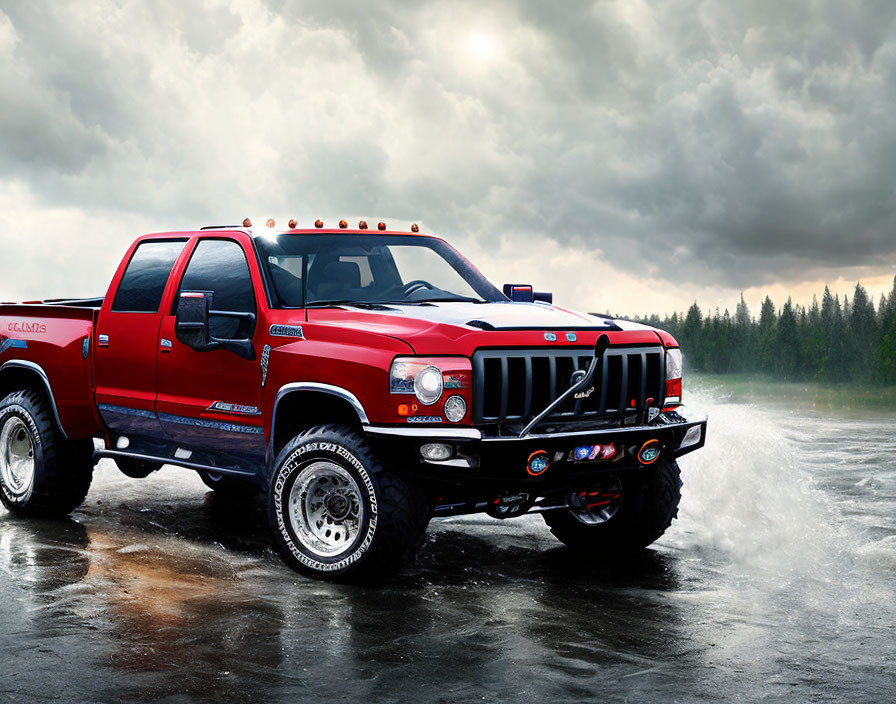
x=364, y=380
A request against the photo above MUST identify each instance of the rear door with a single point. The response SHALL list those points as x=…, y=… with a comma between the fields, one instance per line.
x=211, y=400
x=127, y=333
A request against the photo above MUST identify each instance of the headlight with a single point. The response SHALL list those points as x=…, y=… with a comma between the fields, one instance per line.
x=673, y=376
x=428, y=385
x=455, y=408
x=673, y=364
x=410, y=376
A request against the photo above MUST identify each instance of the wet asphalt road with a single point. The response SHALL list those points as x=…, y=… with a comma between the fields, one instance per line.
x=777, y=583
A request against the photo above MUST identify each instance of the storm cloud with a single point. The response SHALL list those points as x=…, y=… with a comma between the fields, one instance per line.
x=602, y=149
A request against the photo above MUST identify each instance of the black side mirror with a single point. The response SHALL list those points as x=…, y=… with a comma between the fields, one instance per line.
x=524, y=293
x=519, y=292
x=191, y=325
x=191, y=320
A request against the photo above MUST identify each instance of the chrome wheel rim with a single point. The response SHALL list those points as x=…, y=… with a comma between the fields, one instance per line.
x=598, y=505
x=16, y=457
x=326, y=510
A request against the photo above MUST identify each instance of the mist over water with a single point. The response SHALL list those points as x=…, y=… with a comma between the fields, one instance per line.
x=777, y=583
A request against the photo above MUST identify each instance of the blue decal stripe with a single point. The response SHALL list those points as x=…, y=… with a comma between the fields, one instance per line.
x=217, y=425
x=9, y=343
x=183, y=420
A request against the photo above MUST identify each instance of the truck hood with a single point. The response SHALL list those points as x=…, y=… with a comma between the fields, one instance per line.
x=460, y=328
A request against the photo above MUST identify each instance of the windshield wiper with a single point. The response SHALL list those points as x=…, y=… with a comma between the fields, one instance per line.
x=443, y=299
x=346, y=302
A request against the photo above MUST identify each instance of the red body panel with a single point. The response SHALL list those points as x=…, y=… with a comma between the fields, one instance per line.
x=347, y=348
x=54, y=336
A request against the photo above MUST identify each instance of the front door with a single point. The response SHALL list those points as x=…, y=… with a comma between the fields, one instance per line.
x=211, y=400
x=127, y=336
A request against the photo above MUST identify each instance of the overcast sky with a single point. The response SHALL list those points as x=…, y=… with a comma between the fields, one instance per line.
x=630, y=156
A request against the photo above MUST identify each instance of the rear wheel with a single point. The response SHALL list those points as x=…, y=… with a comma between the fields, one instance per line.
x=337, y=512
x=41, y=472
x=620, y=515
x=228, y=485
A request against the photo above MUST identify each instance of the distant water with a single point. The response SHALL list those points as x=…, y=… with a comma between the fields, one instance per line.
x=777, y=583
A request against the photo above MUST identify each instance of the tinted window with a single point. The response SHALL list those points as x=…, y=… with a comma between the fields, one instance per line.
x=220, y=266
x=369, y=269
x=143, y=283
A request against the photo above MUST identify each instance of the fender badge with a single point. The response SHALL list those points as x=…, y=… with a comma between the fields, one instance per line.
x=287, y=331
x=538, y=463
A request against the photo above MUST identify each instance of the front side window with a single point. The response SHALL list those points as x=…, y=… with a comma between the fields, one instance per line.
x=220, y=267
x=143, y=283
x=325, y=270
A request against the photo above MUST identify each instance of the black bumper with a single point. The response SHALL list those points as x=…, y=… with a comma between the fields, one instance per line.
x=503, y=463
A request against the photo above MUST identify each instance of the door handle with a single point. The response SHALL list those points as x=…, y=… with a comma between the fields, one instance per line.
x=165, y=345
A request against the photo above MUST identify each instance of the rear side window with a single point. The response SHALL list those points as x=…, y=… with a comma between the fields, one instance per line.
x=220, y=266
x=143, y=283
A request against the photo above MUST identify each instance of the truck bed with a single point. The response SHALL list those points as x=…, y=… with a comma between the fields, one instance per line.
x=52, y=343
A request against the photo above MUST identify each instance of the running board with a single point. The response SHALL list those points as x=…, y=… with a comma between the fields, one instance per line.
x=112, y=454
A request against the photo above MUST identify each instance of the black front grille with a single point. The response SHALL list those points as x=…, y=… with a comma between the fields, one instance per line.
x=511, y=387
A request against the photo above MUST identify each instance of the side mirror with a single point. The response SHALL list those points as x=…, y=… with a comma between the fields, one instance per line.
x=524, y=293
x=192, y=328
x=519, y=292
x=191, y=319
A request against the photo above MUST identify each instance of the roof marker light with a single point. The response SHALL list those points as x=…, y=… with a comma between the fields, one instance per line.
x=415, y=228
x=362, y=225
x=270, y=222
x=318, y=223
x=381, y=226
x=343, y=224
x=247, y=223
x=293, y=224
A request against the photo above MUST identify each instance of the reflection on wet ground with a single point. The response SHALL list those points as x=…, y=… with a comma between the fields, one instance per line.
x=776, y=584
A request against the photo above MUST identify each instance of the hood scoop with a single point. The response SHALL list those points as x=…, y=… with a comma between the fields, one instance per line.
x=481, y=324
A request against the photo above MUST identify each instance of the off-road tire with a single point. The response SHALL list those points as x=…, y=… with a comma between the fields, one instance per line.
x=136, y=469
x=63, y=469
x=227, y=485
x=649, y=504
x=396, y=509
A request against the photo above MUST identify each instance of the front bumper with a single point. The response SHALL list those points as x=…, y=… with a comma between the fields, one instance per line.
x=501, y=463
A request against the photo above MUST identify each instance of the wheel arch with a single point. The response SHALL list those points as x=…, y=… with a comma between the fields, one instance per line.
x=21, y=375
x=303, y=404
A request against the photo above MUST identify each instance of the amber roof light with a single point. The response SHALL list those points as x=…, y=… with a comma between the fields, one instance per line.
x=381, y=226
x=362, y=225
x=292, y=224
x=343, y=224
x=247, y=223
x=415, y=228
x=318, y=223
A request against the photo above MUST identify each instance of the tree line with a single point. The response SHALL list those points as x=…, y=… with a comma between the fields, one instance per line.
x=834, y=340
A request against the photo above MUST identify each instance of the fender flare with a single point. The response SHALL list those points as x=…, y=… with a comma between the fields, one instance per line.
x=38, y=371
x=300, y=386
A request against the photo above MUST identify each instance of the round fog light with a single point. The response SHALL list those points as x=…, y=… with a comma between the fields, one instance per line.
x=436, y=451
x=455, y=408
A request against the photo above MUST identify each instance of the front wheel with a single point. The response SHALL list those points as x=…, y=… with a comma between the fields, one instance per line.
x=337, y=512
x=620, y=516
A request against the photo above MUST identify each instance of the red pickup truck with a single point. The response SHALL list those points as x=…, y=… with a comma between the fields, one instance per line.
x=365, y=380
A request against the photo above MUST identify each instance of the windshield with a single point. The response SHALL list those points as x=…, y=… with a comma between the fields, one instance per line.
x=321, y=270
